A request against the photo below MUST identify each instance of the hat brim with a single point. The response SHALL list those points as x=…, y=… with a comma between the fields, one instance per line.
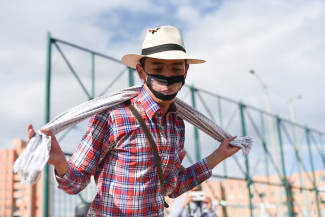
x=132, y=60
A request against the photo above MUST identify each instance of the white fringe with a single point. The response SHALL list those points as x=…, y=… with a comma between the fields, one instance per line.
x=33, y=159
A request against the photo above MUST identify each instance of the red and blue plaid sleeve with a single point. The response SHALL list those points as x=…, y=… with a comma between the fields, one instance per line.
x=190, y=177
x=73, y=181
x=93, y=148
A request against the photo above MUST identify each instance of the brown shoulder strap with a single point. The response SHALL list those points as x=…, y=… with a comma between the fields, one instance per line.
x=152, y=143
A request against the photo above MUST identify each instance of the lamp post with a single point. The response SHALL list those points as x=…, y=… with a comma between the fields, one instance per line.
x=269, y=110
x=292, y=111
x=271, y=126
x=295, y=133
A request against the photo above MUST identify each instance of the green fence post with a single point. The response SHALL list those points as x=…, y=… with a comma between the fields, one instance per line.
x=248, y=178
x=221, y=125
x=286, y=184
x=196, y=131
x=131, y=77
x=93, y=75
x=312, y=167
x=46, y=120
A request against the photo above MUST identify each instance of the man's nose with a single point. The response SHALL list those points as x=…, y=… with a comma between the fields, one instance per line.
x=168, y=72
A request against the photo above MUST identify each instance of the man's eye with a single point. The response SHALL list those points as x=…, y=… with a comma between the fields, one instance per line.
x=177, y=69
x=158, y=69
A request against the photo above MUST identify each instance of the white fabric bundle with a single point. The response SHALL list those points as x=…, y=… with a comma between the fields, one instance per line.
x=33, y=159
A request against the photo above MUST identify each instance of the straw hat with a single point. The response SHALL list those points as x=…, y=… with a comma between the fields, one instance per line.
x=164, y=42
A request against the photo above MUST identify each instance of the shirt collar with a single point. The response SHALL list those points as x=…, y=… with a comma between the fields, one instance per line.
x=172, y=110
x=150, y=106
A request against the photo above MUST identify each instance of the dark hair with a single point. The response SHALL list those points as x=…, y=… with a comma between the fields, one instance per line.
x=143, y=61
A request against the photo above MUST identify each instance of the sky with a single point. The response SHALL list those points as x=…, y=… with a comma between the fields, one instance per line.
x=281, y=40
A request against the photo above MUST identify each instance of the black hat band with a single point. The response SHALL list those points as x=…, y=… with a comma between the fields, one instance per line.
x=161, y=48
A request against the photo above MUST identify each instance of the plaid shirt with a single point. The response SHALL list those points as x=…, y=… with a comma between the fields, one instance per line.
x=116, y=152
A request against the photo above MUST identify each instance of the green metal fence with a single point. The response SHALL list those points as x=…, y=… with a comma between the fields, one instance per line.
x=288, y=191
x=61, y=204
x=282, y=176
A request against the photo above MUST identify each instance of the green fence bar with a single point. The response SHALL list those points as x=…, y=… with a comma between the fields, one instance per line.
x=46, y=120
x=196, y=131
x=131, y=77
x=87, y=50
x=93, y=75
x=113, y=81
x=286, y=184
x=206, y=107
x=221, y=125
x=72, y=70
x=313, y=170
x=248, y=178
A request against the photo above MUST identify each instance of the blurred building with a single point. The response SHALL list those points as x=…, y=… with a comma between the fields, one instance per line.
x=16, y=199
x=231, y=198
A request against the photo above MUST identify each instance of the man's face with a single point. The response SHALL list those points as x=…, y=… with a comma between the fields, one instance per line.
x=167, y=68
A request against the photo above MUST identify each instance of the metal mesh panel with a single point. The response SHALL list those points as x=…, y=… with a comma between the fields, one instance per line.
x=62, y=204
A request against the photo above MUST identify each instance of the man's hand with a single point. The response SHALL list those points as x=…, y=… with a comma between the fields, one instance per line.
x=227, y=150
x=208, y=203
x=31, y=132
x=224, y=151
x=57, y=157
x=188, y=199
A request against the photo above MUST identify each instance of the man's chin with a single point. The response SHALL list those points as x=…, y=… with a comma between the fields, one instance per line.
x=167, y=92
x=157, y=100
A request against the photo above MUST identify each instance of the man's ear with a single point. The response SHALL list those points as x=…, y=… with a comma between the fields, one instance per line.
x=186, y=69
x=140, y=71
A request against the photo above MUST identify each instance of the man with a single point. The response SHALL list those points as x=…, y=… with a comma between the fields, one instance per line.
x=186, y=207
x=115, y=149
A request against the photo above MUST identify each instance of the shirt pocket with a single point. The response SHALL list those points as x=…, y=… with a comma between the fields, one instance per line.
x=134, y=149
